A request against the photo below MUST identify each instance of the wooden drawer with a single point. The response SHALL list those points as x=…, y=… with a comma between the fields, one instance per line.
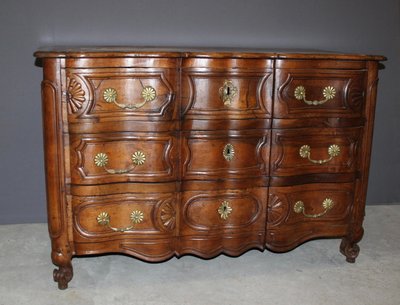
x=122, y=216
x=225, y=221
x=224, y=211
x=123, y=95
x=221, y=88
x=127, y=157
x=303, y=212
x=313, y=151
x=142, y=225
x=304, y=93
x=225, y=154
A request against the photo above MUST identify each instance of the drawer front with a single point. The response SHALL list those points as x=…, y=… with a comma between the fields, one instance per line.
x=215, y=89
x=313, y=151
x=302, y=212
x=124, y=216
x=304, y=93
x=224, y=155
x=221, y=212
x=102, y=95
x=129, y=157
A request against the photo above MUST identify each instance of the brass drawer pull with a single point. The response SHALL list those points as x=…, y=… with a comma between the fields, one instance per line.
x=300, y=93
x=327, y=204
x=148, y=94
x=228, y=152
x=225, y=210
x=227, y=92
x=101, y=160
x=104, y=219
x=333, y=151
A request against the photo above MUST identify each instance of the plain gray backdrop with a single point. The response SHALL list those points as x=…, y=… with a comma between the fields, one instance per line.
x=360, y=26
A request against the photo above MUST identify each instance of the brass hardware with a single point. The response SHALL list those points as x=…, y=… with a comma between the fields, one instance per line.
x=227, y=92
x=224, y=210
x=333, y=151
x=300, y=93
x=228, y=152
x=101, y=160
x=148, y=94
x=110, y=95
x=104, y=219
x=138, y=157
x=327, y=204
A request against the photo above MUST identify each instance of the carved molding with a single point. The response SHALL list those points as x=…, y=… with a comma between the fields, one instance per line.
x=166, y=159
x=96, y=108
x=218, y=77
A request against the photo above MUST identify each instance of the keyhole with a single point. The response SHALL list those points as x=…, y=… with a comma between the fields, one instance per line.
x=228, y=151
x=228, y=89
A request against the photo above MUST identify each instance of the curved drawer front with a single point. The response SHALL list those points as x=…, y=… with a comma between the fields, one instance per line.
x=313, y=151
x=219, y=155
x=304, y=93
x=302, y=212
x=130, y=157
x=101, y=95
x=122, y=216
x=213, y=89
x=222, y=211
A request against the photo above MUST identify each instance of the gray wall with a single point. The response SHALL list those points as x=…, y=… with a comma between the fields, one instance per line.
x=363, y=26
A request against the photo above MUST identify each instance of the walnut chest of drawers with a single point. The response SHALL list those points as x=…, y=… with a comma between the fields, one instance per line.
x=161, y=153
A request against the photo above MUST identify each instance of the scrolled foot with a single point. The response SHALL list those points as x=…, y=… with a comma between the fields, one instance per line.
x=350, y=250
x=62, y=276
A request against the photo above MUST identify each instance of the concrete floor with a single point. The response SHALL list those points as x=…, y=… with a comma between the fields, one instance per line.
x=314, y=273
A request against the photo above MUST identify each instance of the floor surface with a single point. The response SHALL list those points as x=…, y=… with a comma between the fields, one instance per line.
x=314, y=273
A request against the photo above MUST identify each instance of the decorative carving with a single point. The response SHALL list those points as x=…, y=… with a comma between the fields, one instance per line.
x=63, y=275
x=277, y=210
x=349, y=247
x=75, y=95
x=168, y=215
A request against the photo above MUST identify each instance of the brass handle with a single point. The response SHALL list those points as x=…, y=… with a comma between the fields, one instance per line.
x=228, y=152
x=227, y=92
x=225, y=210
x=333, y=151
x=328, y=92
x=101, y=160
x=104, y=219
x=148, y=94
x=327, y=204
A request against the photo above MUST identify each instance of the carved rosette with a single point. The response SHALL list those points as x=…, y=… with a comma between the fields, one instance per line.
x=75, y=95
x=168, y=215
x=277, y=210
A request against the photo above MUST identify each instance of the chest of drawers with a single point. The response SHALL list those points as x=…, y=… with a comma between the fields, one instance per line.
x=161, y=153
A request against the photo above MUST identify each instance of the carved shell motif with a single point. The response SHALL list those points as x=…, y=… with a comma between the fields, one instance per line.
x=75, y=96
x=277, y=210
x=167, y=216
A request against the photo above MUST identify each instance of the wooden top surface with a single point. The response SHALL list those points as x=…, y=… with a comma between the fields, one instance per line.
x=162, y=52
